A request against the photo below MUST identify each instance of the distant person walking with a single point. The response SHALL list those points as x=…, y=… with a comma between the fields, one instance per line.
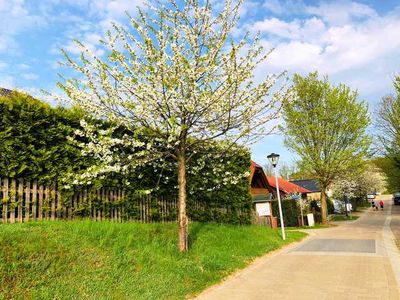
x=381, y=204
x=373, y=204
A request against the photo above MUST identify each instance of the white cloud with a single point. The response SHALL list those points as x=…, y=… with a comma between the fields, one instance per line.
x=366, y=43
x=309, y=29
x=29, y=76
x=90, y=27
x=15, y=18
x=334, y=12
x=23, y=67
x=295, y=56
x=341, y=12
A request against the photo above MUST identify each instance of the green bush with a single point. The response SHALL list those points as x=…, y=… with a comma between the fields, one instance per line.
x=209, y=200
x=290, y=211
x=331, y=207
x=33, y=139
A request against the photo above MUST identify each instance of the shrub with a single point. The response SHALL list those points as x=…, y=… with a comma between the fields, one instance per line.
x=33, y=136
x=290, y=211
x=331, y=207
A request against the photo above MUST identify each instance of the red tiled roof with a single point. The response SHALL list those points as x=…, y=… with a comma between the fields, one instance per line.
x=286, y=186
x=253, y=167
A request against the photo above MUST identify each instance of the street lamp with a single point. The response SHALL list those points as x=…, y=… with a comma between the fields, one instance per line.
x=274, y=158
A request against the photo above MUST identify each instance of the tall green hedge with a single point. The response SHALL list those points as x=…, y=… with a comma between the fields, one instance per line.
x=33, y=139
x=224, y=203
x=34, y=145
x=234, y=198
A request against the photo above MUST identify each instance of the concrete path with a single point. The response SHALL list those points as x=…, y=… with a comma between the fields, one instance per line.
x=357, y=260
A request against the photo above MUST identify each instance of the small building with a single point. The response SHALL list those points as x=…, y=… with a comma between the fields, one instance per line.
x=262, y=195
x=311, y=185
x=258, y=180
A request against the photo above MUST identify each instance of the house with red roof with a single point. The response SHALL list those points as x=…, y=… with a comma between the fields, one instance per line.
x=261, y=184
x=258, y=181
x=262, y=195
x=263, y=190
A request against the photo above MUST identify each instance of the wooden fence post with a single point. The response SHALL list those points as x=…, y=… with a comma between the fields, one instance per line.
x=34, y=200
x=47, y=197
x=76, y=203
x=98, y=209
x=53, y=195
x=119, y=205
x=123, y=205
x=61, y=205
x=12, y=203
x=5, y=200
x=103, y=203
x=20, y=199
x=91, y=205
x=112, y=205
x=27, y=201
x=40, y=210
x=85, y=199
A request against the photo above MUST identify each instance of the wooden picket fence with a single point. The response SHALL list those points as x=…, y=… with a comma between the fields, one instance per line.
x=23, y=201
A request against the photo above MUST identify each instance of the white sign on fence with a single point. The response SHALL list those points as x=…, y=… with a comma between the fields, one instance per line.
x=310, y=219
x=263, y=209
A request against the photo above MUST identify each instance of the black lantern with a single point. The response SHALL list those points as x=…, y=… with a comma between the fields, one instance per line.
x=273, y=158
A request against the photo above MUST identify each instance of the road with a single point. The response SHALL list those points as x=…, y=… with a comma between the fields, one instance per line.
x=355, y=260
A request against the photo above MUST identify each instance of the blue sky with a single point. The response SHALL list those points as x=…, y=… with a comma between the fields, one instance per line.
x=354, y=42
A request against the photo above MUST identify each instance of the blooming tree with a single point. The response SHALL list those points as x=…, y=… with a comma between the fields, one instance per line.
x=358, y=185
x=177, y=81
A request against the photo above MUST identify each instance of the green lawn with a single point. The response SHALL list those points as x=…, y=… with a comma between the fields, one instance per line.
x=337, y=218
x=89, y=260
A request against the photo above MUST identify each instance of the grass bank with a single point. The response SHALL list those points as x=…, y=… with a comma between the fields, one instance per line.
x=89, y=260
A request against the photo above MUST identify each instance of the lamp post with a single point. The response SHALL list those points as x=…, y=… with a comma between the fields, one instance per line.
x=274, y=158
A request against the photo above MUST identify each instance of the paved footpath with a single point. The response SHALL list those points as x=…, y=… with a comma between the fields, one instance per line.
x=356, y=260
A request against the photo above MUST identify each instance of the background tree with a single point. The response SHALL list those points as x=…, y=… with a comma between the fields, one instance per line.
x=356, y=186
x=387, y=144
x=391, y=169
x=177, y=80
x=285, y=170
x=388, y=122
x=269, y=170
x=326, y=127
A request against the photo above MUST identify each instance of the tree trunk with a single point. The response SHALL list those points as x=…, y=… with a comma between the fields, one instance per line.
x=182, y=219
x=323, y=206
